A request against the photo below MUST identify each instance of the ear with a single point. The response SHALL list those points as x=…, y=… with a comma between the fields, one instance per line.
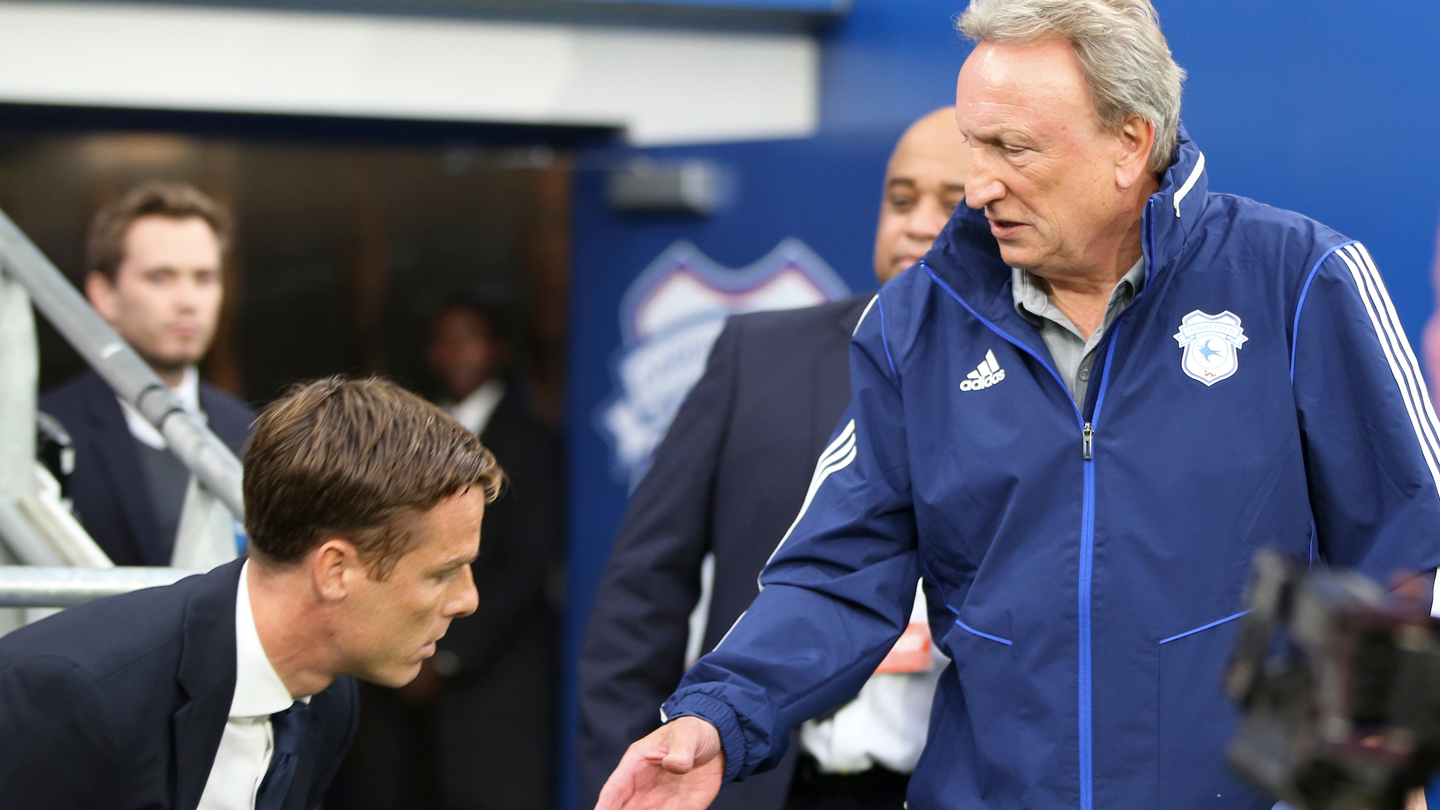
x=336, y=569
x=102, y=296
x=1134, y=141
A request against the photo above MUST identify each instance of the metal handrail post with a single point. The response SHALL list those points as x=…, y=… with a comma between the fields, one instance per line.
x=128, y=375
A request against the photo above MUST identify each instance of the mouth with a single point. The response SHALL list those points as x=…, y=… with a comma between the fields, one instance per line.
x=427, y=650
x=1004, y=228
x=906, y=261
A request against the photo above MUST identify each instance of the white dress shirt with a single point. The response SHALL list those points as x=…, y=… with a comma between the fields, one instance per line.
x=248, y=741
x=474, y=412
x=886, y=724
x=189, y=393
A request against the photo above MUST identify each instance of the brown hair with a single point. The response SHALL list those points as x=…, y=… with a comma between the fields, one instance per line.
x=359, y=459
x=105, y=246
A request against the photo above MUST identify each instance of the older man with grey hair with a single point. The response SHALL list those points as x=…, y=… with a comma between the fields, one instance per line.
x=1077, y=417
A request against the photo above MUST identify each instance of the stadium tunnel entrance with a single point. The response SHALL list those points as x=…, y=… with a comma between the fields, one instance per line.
x=350, y=234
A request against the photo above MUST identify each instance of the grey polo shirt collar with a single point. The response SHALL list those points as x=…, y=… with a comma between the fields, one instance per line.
x=1074, y=353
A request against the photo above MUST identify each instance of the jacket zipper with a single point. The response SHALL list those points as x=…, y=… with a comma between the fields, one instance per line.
x=1084, y=680
x=1087, y=542
x=1087, y=523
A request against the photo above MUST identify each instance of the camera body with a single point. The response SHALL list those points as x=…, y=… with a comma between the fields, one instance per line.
x=1339, y=690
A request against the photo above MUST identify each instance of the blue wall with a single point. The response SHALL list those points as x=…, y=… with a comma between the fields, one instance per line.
x=1328, y=108
x=1324, y=107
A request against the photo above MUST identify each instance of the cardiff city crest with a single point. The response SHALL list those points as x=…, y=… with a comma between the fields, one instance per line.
x=669, y=319
x=1212, y=344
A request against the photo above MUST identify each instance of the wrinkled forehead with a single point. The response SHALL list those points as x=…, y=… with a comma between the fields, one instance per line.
x=1040, y=82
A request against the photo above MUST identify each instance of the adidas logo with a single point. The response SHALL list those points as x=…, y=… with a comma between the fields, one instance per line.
x=985, y=375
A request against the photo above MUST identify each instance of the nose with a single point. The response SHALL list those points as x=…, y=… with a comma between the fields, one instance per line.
x=982, y=186
x=927, y=219
x=188, y=293
x=467, y=599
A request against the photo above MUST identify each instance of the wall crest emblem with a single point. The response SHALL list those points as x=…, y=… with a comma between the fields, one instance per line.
x=669, y=319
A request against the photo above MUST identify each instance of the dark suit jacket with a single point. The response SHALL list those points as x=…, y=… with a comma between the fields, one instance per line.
x=729, y=477
x=120, y=703
x=108, y=486
x=488, y=740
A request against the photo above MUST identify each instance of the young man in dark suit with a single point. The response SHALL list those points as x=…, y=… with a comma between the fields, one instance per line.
x=232, y=690
x=729, y=478
x=476, y=729
x=153, y=271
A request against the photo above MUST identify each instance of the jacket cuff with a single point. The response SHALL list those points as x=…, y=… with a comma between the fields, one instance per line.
x=718, y=714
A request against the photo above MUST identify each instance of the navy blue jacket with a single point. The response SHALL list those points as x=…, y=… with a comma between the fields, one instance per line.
x=108, y=486
x=728, y=478
x=1091, y=555
x=119, y=704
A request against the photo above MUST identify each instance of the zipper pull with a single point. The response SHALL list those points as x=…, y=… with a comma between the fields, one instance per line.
x=1087, y=441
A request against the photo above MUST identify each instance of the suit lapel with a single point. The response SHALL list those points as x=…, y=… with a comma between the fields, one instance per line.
x=832, y=373
x=207, y=676
x=115, y=449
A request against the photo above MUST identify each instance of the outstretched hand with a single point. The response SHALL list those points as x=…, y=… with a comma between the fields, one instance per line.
x=679, y=766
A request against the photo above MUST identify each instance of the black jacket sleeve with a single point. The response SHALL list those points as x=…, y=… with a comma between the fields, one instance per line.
x=633, y=653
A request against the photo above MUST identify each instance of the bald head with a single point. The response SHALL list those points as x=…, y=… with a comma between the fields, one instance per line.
x=924, y=183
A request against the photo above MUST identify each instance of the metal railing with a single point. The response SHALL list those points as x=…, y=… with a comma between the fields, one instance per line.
x=37, y=531
x=134, y=381
x=30, y=586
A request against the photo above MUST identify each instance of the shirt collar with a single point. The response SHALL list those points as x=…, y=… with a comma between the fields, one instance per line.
x=189, y=393
x=1031, y=301
x=259, y=692
x=474, y=411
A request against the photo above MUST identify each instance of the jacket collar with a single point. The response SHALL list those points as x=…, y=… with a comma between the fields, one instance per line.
x=207, y=677
x=966, y=257
x=115, y=448
x=1174, y=211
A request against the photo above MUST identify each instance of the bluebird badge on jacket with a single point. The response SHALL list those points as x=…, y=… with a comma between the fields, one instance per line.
x=1212, y=344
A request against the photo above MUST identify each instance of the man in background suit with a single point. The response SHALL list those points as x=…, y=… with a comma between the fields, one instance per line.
x=154, y=261
x=231, y=690
x=476, y=729
x=728, y=478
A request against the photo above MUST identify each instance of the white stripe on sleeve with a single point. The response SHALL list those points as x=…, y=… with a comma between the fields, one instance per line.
x=864, y=313
x=1403, y=366
x=835, y=458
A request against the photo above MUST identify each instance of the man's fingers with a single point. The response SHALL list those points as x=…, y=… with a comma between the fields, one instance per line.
x=680, y=760
x=676, y=767
x=680, y=757
x=618, y=788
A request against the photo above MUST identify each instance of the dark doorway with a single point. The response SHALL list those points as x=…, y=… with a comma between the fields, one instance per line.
x=343, y=249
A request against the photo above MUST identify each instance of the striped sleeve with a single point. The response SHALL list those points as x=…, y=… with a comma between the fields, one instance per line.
x=838, y=589
x=1372, y=440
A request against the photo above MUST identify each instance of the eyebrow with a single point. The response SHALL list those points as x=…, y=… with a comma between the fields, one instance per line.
x=457, y=562
x=170, y=268
x=996, y=132
x=909, y=182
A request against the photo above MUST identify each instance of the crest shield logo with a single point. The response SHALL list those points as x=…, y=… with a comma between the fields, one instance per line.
x=670, y=317
x=1211, y=344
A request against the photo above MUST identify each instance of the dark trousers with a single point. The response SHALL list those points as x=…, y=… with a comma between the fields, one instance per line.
x=876, y=789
